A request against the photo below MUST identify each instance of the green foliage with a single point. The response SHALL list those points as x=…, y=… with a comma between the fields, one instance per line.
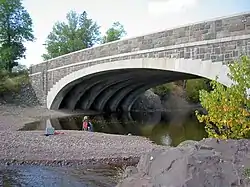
x=163, y=89
x=12, y=82
x=116, y=32
x=193, y=86
x=15, y=29
x=228, y=107
x=247, y=172
x=79, y=32
x=22, y=71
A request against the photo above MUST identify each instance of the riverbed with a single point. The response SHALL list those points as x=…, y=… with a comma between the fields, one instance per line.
x=35, y=155
x=118, y=140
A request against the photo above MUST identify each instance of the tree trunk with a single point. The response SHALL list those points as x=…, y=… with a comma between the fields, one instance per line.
x=184, y=84
x=9, y=63
x=9, y=66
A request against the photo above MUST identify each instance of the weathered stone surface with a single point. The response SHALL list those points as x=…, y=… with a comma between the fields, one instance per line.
x=208, y=163
x=149, y=101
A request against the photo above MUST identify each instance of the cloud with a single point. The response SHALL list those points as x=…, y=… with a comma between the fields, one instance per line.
x=160, y=7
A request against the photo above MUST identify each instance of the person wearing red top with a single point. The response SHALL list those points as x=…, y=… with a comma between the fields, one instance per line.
x=85, y=123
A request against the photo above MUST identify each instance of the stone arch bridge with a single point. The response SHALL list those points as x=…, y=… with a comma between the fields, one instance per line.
x=113, y=75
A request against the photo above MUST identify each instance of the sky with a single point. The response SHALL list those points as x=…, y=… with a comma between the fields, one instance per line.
x=139, y=17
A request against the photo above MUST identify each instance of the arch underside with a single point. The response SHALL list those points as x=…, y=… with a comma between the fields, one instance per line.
x=116, y=85
x=115, y=90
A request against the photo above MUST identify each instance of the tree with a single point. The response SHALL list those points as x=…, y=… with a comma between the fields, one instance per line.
x=15, y=29
x=116, y=32
x=228, y=107
x=79, y=32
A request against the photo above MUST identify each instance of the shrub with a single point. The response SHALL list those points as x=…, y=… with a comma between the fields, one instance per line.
x=163, y=89
x=228, y=107
x=12, y=82
x=193, y=86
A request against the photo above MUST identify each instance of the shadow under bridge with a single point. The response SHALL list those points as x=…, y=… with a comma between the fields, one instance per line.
x=117, y=89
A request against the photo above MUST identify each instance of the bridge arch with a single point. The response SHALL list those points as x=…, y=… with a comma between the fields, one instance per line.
x=137, y=76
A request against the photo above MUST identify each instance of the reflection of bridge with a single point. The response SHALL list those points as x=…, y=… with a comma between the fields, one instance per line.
x=113, y=75
x=113, y=122
x=149, y=124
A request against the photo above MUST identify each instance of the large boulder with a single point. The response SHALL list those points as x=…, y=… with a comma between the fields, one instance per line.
x=149, y=101
x=208, y=163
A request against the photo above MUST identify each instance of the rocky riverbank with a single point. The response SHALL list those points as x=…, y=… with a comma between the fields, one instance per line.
x=210, y=163
x=13, y=117
x=70, y=148
x=73, y=147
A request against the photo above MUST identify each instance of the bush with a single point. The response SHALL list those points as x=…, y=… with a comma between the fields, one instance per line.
x=228, y=107
x=163, y=89
x=12, y=82
x=193, y=86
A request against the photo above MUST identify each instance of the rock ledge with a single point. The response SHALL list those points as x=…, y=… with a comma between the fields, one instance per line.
x=208, y=163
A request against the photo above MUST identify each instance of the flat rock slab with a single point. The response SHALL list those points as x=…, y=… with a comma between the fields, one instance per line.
x=208, y=163
x=74, y=146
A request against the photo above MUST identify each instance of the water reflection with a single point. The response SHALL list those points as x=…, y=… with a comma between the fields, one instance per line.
x=165, y=128
x=35, y=176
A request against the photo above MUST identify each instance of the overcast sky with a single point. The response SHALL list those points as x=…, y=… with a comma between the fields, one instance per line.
x=138, y=16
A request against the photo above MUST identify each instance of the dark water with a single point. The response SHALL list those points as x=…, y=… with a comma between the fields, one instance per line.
x=164, y=128
x=38, y=176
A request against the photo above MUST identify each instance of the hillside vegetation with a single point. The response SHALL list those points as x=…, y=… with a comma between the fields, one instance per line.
x=188, y=89
x=12, y=82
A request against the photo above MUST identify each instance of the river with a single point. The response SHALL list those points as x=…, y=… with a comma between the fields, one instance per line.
x=38, y=176
x=164, y=128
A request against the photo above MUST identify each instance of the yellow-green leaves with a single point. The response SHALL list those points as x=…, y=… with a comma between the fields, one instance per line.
x=228, y=112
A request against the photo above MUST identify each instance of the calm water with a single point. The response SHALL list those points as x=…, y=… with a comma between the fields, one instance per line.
x=164, y=128
x=161, y=127
x=38, y=176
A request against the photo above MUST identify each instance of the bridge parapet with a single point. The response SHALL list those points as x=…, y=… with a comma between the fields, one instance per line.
x=219, y=28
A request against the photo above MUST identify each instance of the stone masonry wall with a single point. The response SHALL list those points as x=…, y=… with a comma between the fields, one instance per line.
x=213, y=40
x=232, y=26
x=225, y=51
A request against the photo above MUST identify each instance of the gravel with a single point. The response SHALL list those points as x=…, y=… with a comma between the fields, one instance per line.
x=73, y=147
x=13, y=117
